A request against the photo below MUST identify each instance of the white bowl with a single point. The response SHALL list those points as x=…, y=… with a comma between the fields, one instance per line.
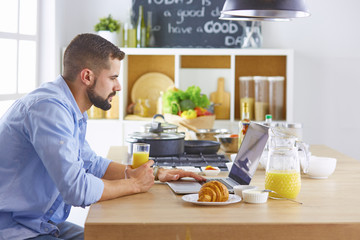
x=255, y=196
x=238, y=189
x=211, y=172
x=321, y=167
x=229, y=165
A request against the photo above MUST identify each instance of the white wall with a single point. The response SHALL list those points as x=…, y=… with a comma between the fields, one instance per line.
x=327, y=71
x=327, y=62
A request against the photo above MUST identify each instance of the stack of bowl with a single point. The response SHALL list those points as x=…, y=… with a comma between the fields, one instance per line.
x=229, y=142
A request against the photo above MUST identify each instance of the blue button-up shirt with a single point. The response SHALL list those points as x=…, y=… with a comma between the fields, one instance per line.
x=46, y=165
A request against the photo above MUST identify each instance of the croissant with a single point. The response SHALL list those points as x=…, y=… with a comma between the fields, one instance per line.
x=213, y=191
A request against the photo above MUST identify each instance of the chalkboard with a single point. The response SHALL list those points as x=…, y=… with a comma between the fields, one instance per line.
x=190, y=24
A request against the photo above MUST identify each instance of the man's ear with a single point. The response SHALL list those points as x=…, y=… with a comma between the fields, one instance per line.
x=87, y=76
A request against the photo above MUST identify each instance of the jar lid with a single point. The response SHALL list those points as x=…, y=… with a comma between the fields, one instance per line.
x=260, y=78
x=245, y=78
x=276, y=78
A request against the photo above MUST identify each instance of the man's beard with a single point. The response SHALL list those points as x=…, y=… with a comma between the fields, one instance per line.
x=97, y=100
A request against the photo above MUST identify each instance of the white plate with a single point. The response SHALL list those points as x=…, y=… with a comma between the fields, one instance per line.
x=193, y=198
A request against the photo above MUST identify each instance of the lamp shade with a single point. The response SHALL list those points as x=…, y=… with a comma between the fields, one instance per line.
x=266, y=8
x=238, y=18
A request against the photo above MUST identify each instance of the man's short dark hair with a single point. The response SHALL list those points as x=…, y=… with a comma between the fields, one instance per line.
x=89, y=51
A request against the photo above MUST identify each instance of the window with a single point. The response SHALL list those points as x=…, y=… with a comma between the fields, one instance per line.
x=18, y=48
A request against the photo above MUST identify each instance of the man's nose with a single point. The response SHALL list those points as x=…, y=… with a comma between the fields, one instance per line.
x=117, y=86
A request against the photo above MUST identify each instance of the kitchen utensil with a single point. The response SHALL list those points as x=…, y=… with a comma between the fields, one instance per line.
x=292, y=200
x=221, y=99
x=192, y=128
x=161, y=144
x=199, y=122
x=209, y=134
x=158, y=127
x=201, y=146
x=229, y=142
x=149, y=86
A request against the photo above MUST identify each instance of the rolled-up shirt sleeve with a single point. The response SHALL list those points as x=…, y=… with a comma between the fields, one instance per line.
x=54, y=132
x=93, y=163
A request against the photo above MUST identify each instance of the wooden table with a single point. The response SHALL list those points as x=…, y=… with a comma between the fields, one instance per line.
x=331, y=210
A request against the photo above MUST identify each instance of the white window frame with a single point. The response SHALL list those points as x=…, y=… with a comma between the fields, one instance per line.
x=18, y=37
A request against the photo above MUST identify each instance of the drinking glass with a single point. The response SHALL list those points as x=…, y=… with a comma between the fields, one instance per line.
x=140, y=154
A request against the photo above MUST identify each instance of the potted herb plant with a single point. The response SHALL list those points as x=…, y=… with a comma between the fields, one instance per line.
x=108, y=28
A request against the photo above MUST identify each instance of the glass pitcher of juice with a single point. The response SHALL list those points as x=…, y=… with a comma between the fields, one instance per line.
x=283, y=165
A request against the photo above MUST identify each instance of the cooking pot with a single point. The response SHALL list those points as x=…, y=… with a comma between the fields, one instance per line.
x=158, y=127
x=161, y=144
x=201, y=146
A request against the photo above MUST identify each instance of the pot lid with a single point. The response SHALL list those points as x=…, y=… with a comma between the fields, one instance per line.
x=158, y=127
x=164, y=126
x=156, y=136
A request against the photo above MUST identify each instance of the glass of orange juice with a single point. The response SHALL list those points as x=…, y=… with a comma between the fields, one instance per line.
x=140, y=154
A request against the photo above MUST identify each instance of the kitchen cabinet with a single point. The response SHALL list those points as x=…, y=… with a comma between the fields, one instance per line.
x=203, y=67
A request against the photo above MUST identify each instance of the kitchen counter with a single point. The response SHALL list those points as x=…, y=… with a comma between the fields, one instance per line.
x=331, y=210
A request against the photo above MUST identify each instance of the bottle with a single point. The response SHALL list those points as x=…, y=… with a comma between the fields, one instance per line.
x=113, y=112
x=268, y=120
x=150, y=40
x=141, y=107
x=159, y=108
x=140, y=29
x=244, y=123
x=129, y=33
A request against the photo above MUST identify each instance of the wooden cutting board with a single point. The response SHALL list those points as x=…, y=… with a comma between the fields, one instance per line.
x=221, y=99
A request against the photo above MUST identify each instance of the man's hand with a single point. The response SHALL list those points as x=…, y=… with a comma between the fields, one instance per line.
x=142, y=176
x=166, y=175
x=137, y=180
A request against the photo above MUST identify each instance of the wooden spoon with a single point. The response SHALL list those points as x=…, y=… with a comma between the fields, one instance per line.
x=192, y=128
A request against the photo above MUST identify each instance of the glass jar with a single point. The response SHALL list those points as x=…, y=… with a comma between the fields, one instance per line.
x=247, y=94
x=276, y=97
x=261, y=97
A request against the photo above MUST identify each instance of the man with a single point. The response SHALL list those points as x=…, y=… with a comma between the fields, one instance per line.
x=46, y=165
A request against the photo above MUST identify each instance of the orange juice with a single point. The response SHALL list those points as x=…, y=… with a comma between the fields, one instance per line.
x=285, y=182
x=139, y=158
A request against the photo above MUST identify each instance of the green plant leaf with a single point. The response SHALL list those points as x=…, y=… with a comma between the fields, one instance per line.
x=107, y=24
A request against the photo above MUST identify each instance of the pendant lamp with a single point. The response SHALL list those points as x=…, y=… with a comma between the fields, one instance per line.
x=266, y=9
x=238, y=18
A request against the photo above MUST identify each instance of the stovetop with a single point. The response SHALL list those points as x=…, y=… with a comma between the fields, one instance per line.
x=195, y=160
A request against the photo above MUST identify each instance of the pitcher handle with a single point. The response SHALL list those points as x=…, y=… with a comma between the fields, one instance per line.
x=305, y=162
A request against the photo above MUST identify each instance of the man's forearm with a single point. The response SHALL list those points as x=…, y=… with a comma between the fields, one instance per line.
x=117, y=188
x=115, y=171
